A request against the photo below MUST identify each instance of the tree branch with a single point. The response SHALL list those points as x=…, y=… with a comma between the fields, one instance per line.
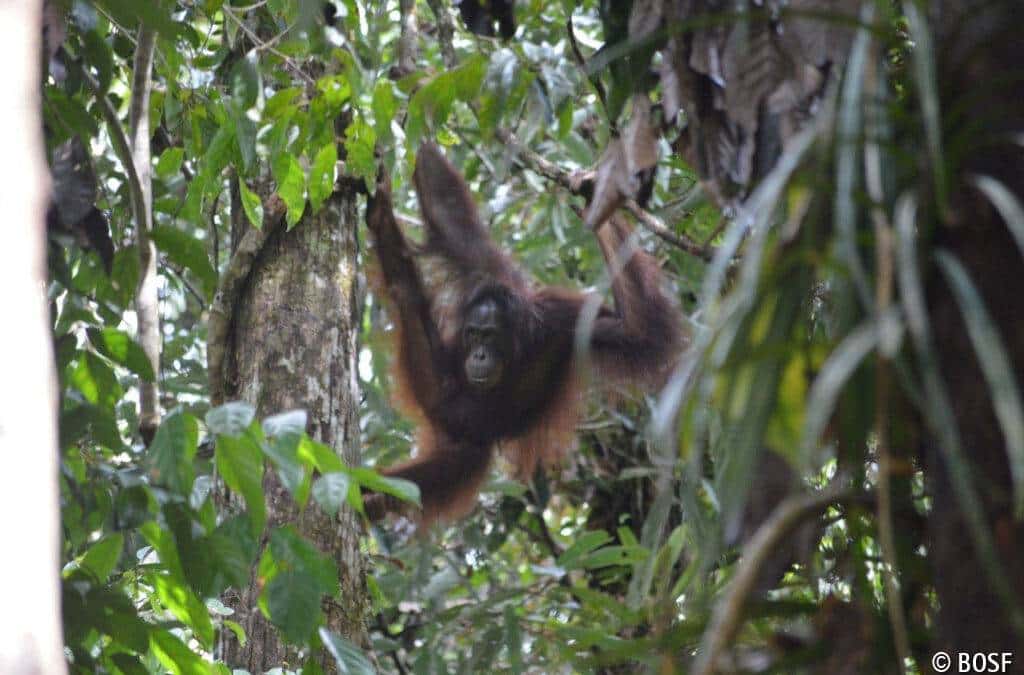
x=264, y=45
x=445, y=32
x=147, y=299
x=407, y=39
x=582, y=183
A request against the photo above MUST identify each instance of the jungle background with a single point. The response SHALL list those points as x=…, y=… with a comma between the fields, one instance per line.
x=832, y=481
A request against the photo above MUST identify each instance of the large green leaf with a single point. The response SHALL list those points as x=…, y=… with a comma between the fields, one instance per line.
x=183, y=603
x=359, y=147
x=291, y=186
x=331, y=490
x=322, y=175
x=175, y=655
x=294, y=605
x=182, y=249
x=349, y=658
x=230, y=419
x=96, y=381
x=101, y=558
x=172, y=451
x=240, y=462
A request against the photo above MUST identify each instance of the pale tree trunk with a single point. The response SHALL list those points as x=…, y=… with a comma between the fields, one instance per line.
x=30, y=627
x=293, y=345
x=147, y=301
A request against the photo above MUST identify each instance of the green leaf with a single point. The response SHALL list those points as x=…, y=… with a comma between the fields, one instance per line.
x=127, y=664
x=124, y=276
x=251, y=204
x=350, y=659
x=234, y=548
x=89, y=422
x=245, y=135
x=281, y=102
x=240, y=462
x=175, y=655
x=335, y=90
x=183, y=249
x=403, y=489
x=96, y=381
x=289, y=422
x=292, y=552
x=230, y=419
x=291, y=185
x=359, y=142
x=237, y=629
x=584, y=544
x=294, y=606
x=121, y=349
x=170, y=162
x=322, y=175
x=990, y=349
x=101, y=558
x=97, y=53
x=331, y=490
x=433, y=101
x=245, y=84
x=218, y=154
x=183, y=603
x=320, y=456
x=172, y=451
x=163, y=543
x=153, y=15
x=613, y=555
x=282, y=449
x=384, y=107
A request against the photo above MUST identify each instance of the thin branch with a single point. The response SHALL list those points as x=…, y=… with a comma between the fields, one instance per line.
x=118, y=138
x=264, y=45
x=445, y=32
x=594, y=78
x=147, y=297
x=885, y=265
x=654, y=225
x=407, y=39
x=726, y=618
x=582, y=183
x=231, y=284
x=180, y=273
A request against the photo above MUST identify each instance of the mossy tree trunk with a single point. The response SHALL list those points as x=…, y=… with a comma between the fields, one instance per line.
x=292, y=344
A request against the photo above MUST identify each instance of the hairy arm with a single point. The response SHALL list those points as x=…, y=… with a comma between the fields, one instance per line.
x=421, y=355
x=642, y=337
x=454, y=230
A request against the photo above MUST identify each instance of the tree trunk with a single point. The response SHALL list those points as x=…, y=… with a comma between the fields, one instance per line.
x=293, y=345
x=30, y=628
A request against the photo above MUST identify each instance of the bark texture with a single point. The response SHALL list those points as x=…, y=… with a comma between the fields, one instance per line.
x=292, y=344
x=30, y=629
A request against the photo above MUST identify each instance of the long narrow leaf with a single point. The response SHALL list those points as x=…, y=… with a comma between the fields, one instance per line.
x=836, y=372
x=995, y=365
x=1007, y=204
x=939, y=410
x=850, y=123
x=923, y=58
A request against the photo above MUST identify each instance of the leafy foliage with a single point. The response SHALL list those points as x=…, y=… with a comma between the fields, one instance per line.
x=808, y=318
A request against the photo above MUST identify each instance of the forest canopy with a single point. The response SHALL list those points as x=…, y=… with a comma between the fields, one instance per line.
x=830, y=479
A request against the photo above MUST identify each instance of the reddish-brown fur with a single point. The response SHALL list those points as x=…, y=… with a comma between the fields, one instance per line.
x=532, y=412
